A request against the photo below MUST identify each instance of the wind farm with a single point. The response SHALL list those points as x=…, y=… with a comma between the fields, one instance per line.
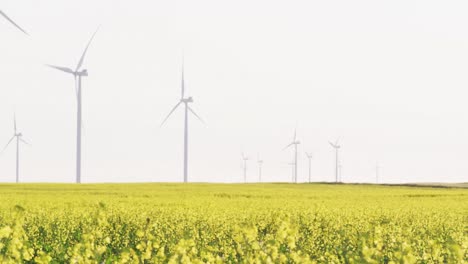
x=149, y=181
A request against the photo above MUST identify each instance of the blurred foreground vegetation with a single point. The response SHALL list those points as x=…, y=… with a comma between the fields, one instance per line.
x=240, y=223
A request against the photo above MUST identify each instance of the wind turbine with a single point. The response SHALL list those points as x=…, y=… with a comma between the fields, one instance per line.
x=78, y=73
x=19, y=138
x=294, y=143
x=13, y=22
x=260, y=164
x=337, y=147
x=186, y=101
x=245, y=159
x=309, y=157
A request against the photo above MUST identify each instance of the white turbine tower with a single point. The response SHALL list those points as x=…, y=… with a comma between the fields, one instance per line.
x=78, y=73
x=309, y=157
x=13, y=22
x=19, y=138
x=186, y=101
x=337, y=147
x=244, y=166
x=294, y=143
x=260, y=165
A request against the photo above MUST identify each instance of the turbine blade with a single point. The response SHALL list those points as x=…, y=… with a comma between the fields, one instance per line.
x=6, y=146
x=80, y=63
x=13, y=22
x=333, y=145
x=64, y=69
x=288, y=146
x=295, y=135
x=170, y=113
x=195, y=114
x=25, y=142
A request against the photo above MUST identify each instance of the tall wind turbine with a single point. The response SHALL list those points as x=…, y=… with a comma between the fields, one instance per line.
x=309, y=157
x=294, y=143
x=186, y=101
x=78, y=73
x=19, y=138
x=337, y=147
x=13, y=22
x=260, y=165
x=245, y=159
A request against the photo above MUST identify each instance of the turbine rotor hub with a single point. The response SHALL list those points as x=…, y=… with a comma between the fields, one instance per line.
x=82, y=73
x=187, y=100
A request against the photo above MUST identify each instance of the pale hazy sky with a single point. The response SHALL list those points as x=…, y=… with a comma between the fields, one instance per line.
x=389, y=78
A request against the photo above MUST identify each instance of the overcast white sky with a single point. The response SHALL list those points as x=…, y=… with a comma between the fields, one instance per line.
x=389, y=78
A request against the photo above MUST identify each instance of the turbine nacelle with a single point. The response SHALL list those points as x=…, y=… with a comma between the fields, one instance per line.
x=334, y=145
x=187, y=100
x=82, y=73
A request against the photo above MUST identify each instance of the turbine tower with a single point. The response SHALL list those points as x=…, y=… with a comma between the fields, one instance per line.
x=19, y=138
x=309, y=157
x=78, y=73
x=294, y=143
x=245, y=159
x=13, y=22
x=337, y=147
x=260, y=164
x=186, y=101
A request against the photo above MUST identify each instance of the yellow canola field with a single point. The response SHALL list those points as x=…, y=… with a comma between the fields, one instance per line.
x=238, y=223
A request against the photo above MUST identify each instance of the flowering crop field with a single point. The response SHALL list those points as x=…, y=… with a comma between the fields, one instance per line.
x=238, y=223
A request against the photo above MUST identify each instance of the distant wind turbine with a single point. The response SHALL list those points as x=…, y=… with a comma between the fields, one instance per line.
x=309, y=157
x=19, y=138
x=260, y=164
x=186, y=101
x=337, y=147
x=294, y=143
x=78, y=74
x=245, y=159
x=13, y=22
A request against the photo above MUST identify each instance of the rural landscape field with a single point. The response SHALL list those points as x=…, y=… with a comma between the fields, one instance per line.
x=240, y=223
